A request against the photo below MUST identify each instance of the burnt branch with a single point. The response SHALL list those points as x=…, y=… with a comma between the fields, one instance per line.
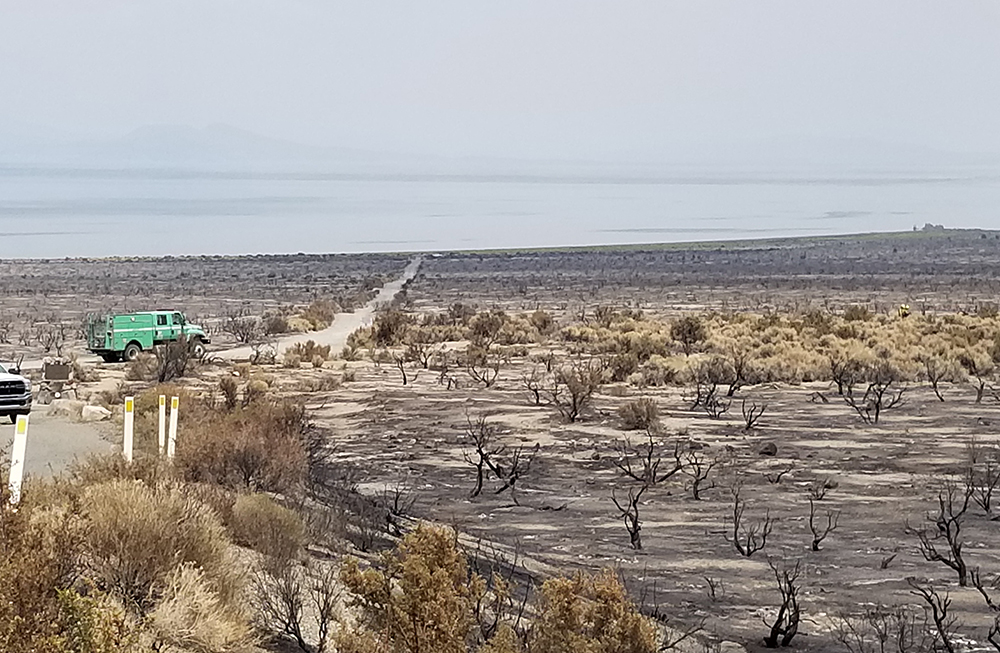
x=747, y=539
x=698, y=468
x=774, y=477
x=483, y=364
x=819, y=530
x=818, y=489
x=397, y=501
x=982, y=476
x=952, y=506
x=641, y=462
x=485, y=450
x=786, y=623
x=511, y=472
x=533, y=383
x=882, y=393
x=629, y=514
x=752, y=414
x=944, y=625
x=884, y=629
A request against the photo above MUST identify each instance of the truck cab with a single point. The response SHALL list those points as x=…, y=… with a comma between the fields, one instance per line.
x=123, y=336
x=15, y=393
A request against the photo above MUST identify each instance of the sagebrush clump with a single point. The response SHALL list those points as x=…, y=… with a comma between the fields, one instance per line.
x=640, y=414
x=424, y=597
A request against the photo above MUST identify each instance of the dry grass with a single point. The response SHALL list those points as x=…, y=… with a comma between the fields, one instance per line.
x=136, y=536
x=309, y=350
x=258, y=447
x=192, y=616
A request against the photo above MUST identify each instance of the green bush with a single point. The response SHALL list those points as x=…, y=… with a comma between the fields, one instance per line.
x=690, y=331
x=640, y=414
x=260, y=523
x=320, y=314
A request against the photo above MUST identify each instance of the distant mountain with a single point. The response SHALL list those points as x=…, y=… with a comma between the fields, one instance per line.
x=176, y=145
x=222, y=144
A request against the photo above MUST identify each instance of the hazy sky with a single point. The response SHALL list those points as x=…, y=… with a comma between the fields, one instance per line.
x=538, y=77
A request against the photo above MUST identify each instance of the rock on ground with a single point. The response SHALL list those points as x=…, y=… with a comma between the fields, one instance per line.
x=66, y=408
x=94, y=414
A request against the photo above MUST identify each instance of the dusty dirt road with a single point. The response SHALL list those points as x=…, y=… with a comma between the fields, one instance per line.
x=344, y=324
x=54, y=442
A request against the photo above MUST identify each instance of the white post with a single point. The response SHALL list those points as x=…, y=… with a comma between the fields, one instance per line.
x=17, y=458
x=162, y=432
x=129, y=425
x=172, y=440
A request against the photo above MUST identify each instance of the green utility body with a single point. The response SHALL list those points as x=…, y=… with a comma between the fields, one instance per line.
x=123, y=336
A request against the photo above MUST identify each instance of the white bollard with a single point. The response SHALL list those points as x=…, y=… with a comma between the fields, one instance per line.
x=172, y=439
x=162, y=432
x=17, y=458
x=129, y=426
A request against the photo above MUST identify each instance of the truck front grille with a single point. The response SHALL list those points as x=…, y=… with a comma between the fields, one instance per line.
x=11, y=388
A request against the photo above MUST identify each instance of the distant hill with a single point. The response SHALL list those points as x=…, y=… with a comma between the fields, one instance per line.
x=176, y=145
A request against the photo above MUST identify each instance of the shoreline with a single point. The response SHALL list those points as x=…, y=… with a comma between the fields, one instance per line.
x=736, y=243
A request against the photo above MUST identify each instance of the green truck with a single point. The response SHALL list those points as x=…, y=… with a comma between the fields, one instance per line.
x=123, y=336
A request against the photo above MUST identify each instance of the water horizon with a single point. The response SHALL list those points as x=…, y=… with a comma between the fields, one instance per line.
x=77, y=212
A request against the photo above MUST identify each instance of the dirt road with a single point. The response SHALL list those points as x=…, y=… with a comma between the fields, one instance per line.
x=344, y=324
x=54, y=442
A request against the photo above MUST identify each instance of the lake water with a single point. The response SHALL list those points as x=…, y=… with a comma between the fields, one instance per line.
x=58, y=213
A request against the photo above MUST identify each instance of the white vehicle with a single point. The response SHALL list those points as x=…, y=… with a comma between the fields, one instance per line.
x=15, y=393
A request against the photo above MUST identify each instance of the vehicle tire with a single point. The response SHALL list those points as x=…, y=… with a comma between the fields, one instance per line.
x=132, y=351
x=197, y=348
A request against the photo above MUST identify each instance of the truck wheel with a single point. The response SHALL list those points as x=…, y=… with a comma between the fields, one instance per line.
x=131, y=352
x=197, y=348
